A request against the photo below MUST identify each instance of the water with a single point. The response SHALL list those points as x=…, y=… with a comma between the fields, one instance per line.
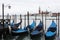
x=10, y=37
x=24, y=37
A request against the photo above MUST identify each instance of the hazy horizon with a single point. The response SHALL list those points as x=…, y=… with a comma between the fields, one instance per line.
x=22, y=6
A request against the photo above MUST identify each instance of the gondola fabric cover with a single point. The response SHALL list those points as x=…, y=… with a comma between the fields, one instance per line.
x=49, y=34
x=19, y=31
x=32, y=25
x=53, y=24
x=35, y=32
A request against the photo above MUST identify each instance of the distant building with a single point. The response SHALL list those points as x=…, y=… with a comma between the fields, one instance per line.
x=46, y=12
x=40, y=13
x=55, y=14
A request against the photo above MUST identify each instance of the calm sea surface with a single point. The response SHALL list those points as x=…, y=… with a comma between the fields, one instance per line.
x=25, y=37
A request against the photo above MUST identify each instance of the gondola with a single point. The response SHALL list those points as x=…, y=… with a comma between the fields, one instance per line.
x=6, y=27
x=15, y=26
x=51, y=32
x=3, y=28
x=22, y=31
x=38, y=30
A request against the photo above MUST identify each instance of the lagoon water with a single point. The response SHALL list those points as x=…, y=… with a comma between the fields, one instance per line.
x=25, y=37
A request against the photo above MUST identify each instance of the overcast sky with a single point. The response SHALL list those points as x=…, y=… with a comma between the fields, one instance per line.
x=22, y=6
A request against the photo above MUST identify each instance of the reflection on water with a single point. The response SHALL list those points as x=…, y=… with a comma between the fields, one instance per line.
x=23, y=37
x=39, y=38
x=19, y=37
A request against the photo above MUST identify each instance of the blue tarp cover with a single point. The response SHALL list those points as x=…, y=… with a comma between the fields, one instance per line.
x=19, y=31
x=49, y=34
x=32, y=25
x=35, y=32
x=53, y=24
x=40, y=24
